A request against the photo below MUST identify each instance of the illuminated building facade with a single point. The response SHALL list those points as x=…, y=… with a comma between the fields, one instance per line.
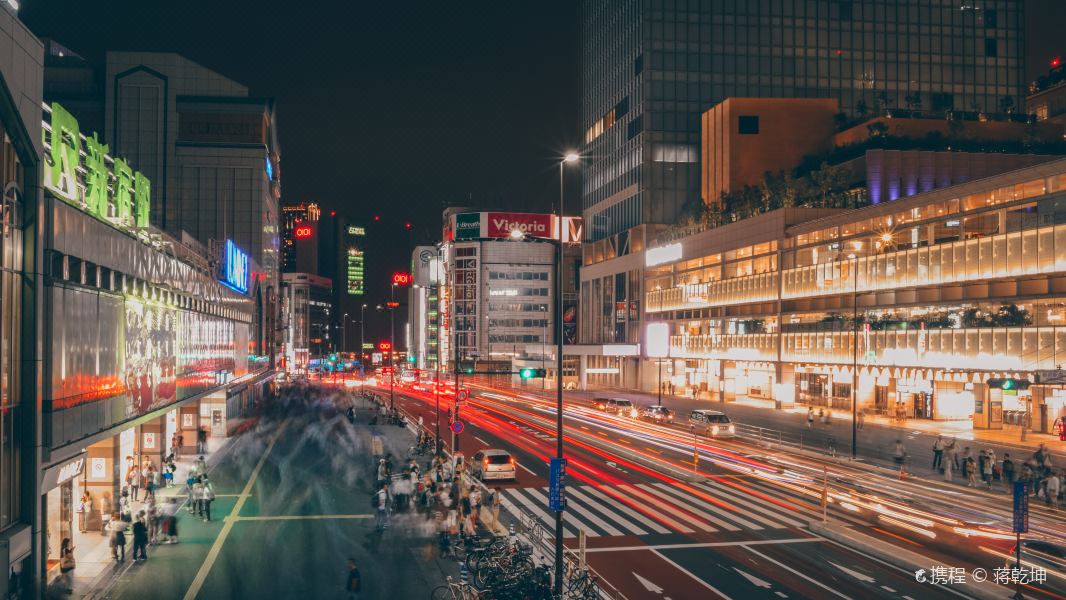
x=910, y=306
x=299, y=237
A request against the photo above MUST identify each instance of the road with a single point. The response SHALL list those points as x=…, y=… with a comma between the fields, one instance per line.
x=293, y=505
x=735, y=526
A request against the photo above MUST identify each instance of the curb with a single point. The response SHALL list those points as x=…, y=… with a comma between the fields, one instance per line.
x=900, y=557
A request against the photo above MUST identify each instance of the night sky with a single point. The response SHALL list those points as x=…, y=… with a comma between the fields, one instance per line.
x=389, y=108
x=397, y=108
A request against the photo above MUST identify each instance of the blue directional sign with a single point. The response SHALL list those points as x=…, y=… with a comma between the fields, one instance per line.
x=557, y=485
x=457, y=427
x=1021, y=507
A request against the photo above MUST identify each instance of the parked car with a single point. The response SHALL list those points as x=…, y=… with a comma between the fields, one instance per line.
x=714, y=422
x=494, y=464
x=619, y=406
x=659, y=414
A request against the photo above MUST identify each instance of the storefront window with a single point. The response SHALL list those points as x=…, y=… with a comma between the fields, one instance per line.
x=12, y=181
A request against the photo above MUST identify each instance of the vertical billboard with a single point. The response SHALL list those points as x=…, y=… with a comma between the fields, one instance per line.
x=425, y=266
x=151, y=355
x=355, y=272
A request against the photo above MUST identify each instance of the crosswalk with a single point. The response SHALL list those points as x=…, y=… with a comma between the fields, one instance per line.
x=661, y=508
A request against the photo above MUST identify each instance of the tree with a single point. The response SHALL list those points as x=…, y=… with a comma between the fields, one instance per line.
x=861, y=109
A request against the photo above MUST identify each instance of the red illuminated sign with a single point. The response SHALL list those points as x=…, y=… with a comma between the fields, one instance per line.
x=500, y=225
x=302, y=232
x=401, y=278
x=392, y=304
x=384, y=346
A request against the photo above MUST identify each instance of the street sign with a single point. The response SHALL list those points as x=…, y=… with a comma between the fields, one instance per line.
x=1021, y=507
x=1050, y=376
x=557, y=484
x=457, y=427
x=463, y=395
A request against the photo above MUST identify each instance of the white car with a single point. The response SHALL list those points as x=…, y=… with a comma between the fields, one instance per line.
x=715, y=422
x=494, y=465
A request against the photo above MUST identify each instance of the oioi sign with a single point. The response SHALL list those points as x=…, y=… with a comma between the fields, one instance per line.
x=113, y=192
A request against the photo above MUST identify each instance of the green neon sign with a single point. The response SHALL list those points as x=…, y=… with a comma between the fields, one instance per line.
x=118, y=195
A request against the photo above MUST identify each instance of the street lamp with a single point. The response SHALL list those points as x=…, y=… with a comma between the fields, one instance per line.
x=362, y=330
x=344, y=328
x=570, y=157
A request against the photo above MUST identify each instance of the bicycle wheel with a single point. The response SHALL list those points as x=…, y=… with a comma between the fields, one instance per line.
x=442, y=592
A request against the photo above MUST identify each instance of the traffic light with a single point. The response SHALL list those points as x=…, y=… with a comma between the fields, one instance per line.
x=332, y=358
x=531, y=373
x=1008, y=383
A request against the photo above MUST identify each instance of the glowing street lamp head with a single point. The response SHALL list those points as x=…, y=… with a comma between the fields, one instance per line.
x=571, y=157
x=516, y=234
x=886, y=237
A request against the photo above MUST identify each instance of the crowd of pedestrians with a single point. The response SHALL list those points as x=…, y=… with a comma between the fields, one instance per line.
x=984, y=469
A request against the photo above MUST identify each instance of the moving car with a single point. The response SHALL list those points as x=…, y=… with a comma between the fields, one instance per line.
x=1040, y=554
x=659, y=414
x=619, y=406
x=715, y=422
x=494, y=464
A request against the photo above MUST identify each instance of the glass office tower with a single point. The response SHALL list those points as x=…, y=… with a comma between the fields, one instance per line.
x=651, y=67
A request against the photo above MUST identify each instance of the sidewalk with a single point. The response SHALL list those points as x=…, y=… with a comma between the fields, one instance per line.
x=96, y=570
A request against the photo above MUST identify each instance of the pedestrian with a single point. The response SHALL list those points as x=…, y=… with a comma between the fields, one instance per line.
x=106, y=506
x=201, y=439
x=938, y=453
x=125, y=508
x=982, y=460
x=67, y=565
x=383, y=473
x=140, y=538
x=381, y=504
x=964, y=459
x=862, y=418
x=810, y=418
x=1008, y=472
x=987, y=473
x=207, y=496
x=170, y=520
x=181, y=443
x=190, y=499
x=971, y=472
x=200, y=466
x=198, y=497
x=85, y=508
x=899, y=454
x=133, y=480
x=117, y=541
x=149, y=484
x=467, y=508
x=1052, y=489
x=151, y=519
x=355, y=581
x=494, y=507
x=174, y=444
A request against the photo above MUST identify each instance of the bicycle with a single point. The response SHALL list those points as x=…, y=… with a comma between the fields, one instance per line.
x=454, y=591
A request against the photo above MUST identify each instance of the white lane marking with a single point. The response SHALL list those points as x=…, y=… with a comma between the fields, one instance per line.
x=481, y=440
x=863, y=577
x=624, y=509
x=534, y=507
x=754, y=580
x=733, y=495
x=781, y=594
x=795, y=572
x=525, y=468
x=690, y=505
x=703, y=545
x=653, y=502
x=579, y=493
x=569, y=525
x=888, y=589
x=576, y=507
x=227, y=526
x=648, y=585
x=686, y=572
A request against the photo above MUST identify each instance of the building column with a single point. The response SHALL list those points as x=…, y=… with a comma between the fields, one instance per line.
x=582, y=375
x=188, y=425
x=784, y=385
x=153, y=441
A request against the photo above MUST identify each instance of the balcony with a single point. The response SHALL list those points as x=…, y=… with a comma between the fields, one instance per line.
x=760, y=287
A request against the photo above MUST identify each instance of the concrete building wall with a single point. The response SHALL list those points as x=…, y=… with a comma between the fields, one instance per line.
x=786, y=131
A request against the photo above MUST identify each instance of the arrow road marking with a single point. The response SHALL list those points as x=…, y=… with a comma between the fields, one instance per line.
x=754, y=580
x=651, y=587
x=856, y=574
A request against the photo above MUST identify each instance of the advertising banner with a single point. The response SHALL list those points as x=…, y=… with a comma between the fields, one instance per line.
x=467, y=226
x=500, y=225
